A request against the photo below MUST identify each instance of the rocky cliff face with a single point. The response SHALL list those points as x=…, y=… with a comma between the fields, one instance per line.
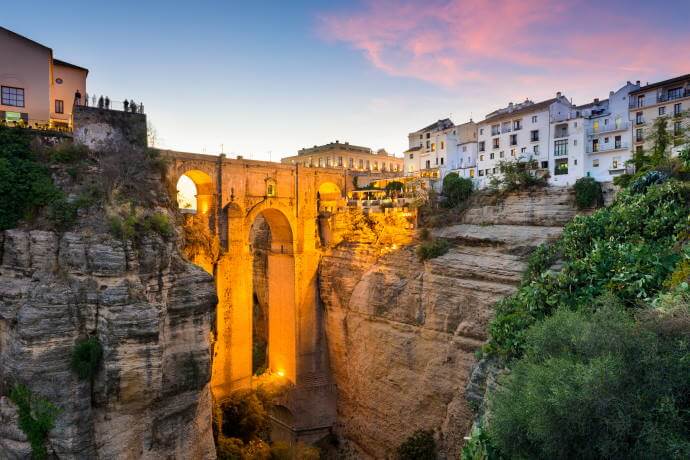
x=402, y=334
x=150, y=310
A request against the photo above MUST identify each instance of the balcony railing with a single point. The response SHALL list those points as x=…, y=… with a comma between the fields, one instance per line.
x=672, y=97
x=608, y=128
x=560, y=134
x=607, y=147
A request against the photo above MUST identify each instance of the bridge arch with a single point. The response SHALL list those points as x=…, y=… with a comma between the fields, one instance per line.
x=195, y=192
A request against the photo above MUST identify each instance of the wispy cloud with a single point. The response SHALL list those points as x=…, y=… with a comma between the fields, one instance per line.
x=522, y=43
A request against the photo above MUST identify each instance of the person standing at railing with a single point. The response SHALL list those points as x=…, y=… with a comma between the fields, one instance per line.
x=100, y=102
x=133, y=105
x=107, y=103
x=86, y=99
x=77, y=98
x=126, y=105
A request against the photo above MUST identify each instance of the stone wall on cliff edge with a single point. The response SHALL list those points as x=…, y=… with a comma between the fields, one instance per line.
x=402, y=334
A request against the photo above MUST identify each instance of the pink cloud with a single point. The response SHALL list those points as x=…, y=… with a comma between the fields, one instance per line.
x=520, y=42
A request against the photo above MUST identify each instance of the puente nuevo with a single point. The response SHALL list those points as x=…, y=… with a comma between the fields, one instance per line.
x=231, y=195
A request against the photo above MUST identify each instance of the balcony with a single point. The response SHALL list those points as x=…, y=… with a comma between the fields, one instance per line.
x=623, y=126
x=671, y=97
x=603, y=148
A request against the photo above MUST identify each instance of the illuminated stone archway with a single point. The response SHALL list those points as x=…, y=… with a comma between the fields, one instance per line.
x=195, y=192
x=329, y=197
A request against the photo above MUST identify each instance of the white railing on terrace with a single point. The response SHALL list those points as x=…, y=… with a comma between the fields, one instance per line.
x=608, y=147
x=107, y=104
x=608, y=128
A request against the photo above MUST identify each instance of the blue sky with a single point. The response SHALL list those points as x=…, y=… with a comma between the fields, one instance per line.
x=260, y=77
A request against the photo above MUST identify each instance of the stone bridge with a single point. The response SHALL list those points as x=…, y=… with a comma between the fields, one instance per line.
x=232, y=194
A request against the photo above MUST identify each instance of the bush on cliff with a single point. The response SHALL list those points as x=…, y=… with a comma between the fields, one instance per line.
x=36, y=418
x=431, y=249
x=587, y=193
x=419, y=446
x=456, y=189
x=86, y=358
x=595, y=385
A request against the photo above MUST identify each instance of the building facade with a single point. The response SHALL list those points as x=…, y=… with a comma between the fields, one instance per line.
x=463, y=159
x=430, y=149
x=35, y=88
x=342, y=155
x=519, y=132
x=668, y=98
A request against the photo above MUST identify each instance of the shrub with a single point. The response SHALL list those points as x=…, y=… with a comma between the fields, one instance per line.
x=478, y=446
x=25, y=184
x=158, y=223
x=641, y=183
x=419, y=446
x=229, y=448
x=68, y=152
x=395, y=186
x=543, y=257
x=456, y=189
x=518, y=175
x=138, y=225
x=432, y=248
x=594, y=386
x=587, y=193
x=36, y=418
x=86, y=358
x=243, y=416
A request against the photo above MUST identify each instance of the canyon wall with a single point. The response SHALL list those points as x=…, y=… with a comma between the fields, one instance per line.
x=150, y=310
x=402, y=334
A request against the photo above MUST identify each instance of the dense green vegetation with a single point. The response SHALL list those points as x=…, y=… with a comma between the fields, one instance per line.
x=456, y=189
x=432, y=248
x=419, y=446
x=599, y=349
x=137, y=225
x=518, y=175
x=587, y=193
x=86, y=357
x=36, y=418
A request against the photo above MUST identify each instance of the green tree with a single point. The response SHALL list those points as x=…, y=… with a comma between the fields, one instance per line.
x=456, y=189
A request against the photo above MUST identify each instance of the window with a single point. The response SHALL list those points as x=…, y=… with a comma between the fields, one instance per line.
x=500, y=155
x=595, y=126
x=545, y=165
x=320, y=162
x=481, y=172
x=639, y=118
x=271, y=190
x=535, y=149
x=495, y=129
x=471, y=172
x=482, y=146
x=481, y=131
x=441, y=161
x=411, y=156
x=481, y=157
x=428, y=164
x=638, y=135
x=428, y=135
x=487, y=171
x=376, y=166
x=340, y=161
x=12, y=96
x=513, y=139
x=464, y=148
x=496, y=142
x=491, y=156
x=614, y=163
x=662, y=111
x=560, y=148
x=437, y=160
x=428, y=144
x=534, y=118
x=534, y=135
x=443, y=145
x=606, y=140
x=675, y=93
x=433, y=146
x=595, y=145
x=493, y=171
x=561, y=167
x=59, y=106
x=523, y=150
x=421, y=136
x=410, y=168
x=512, y=152
x=352, y=162
x=328, y=162
x=640, y=101
x=677, y=109
x=575, y=142
x=677, y=129
x=368, y=165
x=517, y=125
x=618, y=142
x=361, y=164
x=595, y=163
x=575, y=161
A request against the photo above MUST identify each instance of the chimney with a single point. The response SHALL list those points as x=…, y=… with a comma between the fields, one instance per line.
x=637, y=82
x=558, y=94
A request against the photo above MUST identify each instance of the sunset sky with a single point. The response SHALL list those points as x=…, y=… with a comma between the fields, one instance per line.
x=260, y=77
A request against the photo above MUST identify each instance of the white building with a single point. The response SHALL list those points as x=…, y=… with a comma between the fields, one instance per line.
x=519, y=131
x=430, y=149
x=669, y=98
x=463, y=159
